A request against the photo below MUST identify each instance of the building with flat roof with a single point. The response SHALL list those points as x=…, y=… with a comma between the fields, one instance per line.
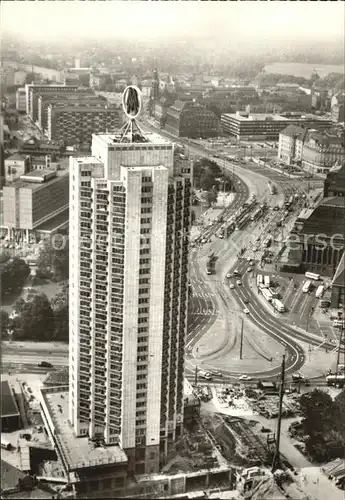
x=32, y=91
x=77, y=123
x=10, y=414
x=129, y=293
x=266, y=127
x=37, y=147
x=79, y=96
x=34, y=199
x=317, y=240
x=16, y=165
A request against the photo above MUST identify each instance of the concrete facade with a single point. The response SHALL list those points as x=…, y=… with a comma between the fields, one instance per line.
x=28, y=204
x=263, y=126
x=15, y=166
x=78, y=122
x=21, y=100
x=128, y=294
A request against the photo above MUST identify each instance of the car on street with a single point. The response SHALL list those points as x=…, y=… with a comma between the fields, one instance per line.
x=236, y=272
x=244, y=377
x=249, y=270
x=45, y=364
x=245, y=301
x=251, y=263
x=239, y=282
x=229, y=275
x=232, y=286
x=246, y=311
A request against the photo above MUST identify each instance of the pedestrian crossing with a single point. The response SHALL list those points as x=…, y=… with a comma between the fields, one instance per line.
x=206, y=312
x=206, y=295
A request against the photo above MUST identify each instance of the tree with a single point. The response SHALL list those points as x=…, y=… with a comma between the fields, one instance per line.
x=205, y=172
x=59, y=304
x=324, y=425
x=13, y=275
x=61, y=321
x=35, y=320
x=53, y=261
x=4, y=256
x=4, y=322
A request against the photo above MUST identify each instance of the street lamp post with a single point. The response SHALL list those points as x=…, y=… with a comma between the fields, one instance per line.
x=241, y=340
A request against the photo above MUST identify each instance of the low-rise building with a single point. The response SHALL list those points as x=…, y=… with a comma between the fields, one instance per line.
x=21, y=100
x=77, y=123
x=263, y=127
x=10, y=414
x=338, y=112
x=291, y=144
x=16, y=165
x=160, y=109
x=37, y=147
x=334, y=184
x=190, y=119
x=322, y=151
x=36, y=202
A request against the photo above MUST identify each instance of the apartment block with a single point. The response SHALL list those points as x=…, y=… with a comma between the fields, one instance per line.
x=78, y=97
x=32, y=91
x=78, y=122
x=129, y=227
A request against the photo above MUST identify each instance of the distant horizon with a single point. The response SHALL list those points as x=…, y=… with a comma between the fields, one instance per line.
x=230, y=21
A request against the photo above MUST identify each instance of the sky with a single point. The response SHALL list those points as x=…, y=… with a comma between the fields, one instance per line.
x=138, y=19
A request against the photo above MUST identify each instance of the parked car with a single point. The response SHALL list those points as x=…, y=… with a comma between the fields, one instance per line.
x=239, y=282
x=45, y=364
x=244, y=377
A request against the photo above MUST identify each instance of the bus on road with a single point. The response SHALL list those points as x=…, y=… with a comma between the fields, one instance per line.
x=267, y=281
x=278, y=306
x=336, y=380
x=312, y=276
x=306, y=286
x=259, y=280
x=266, y=294
x=267, y=241
x=319, y=291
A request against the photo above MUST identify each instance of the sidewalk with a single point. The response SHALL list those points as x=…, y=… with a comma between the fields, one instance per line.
x=315, y=484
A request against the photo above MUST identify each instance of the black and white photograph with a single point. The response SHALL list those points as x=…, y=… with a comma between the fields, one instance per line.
x=172, y=249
